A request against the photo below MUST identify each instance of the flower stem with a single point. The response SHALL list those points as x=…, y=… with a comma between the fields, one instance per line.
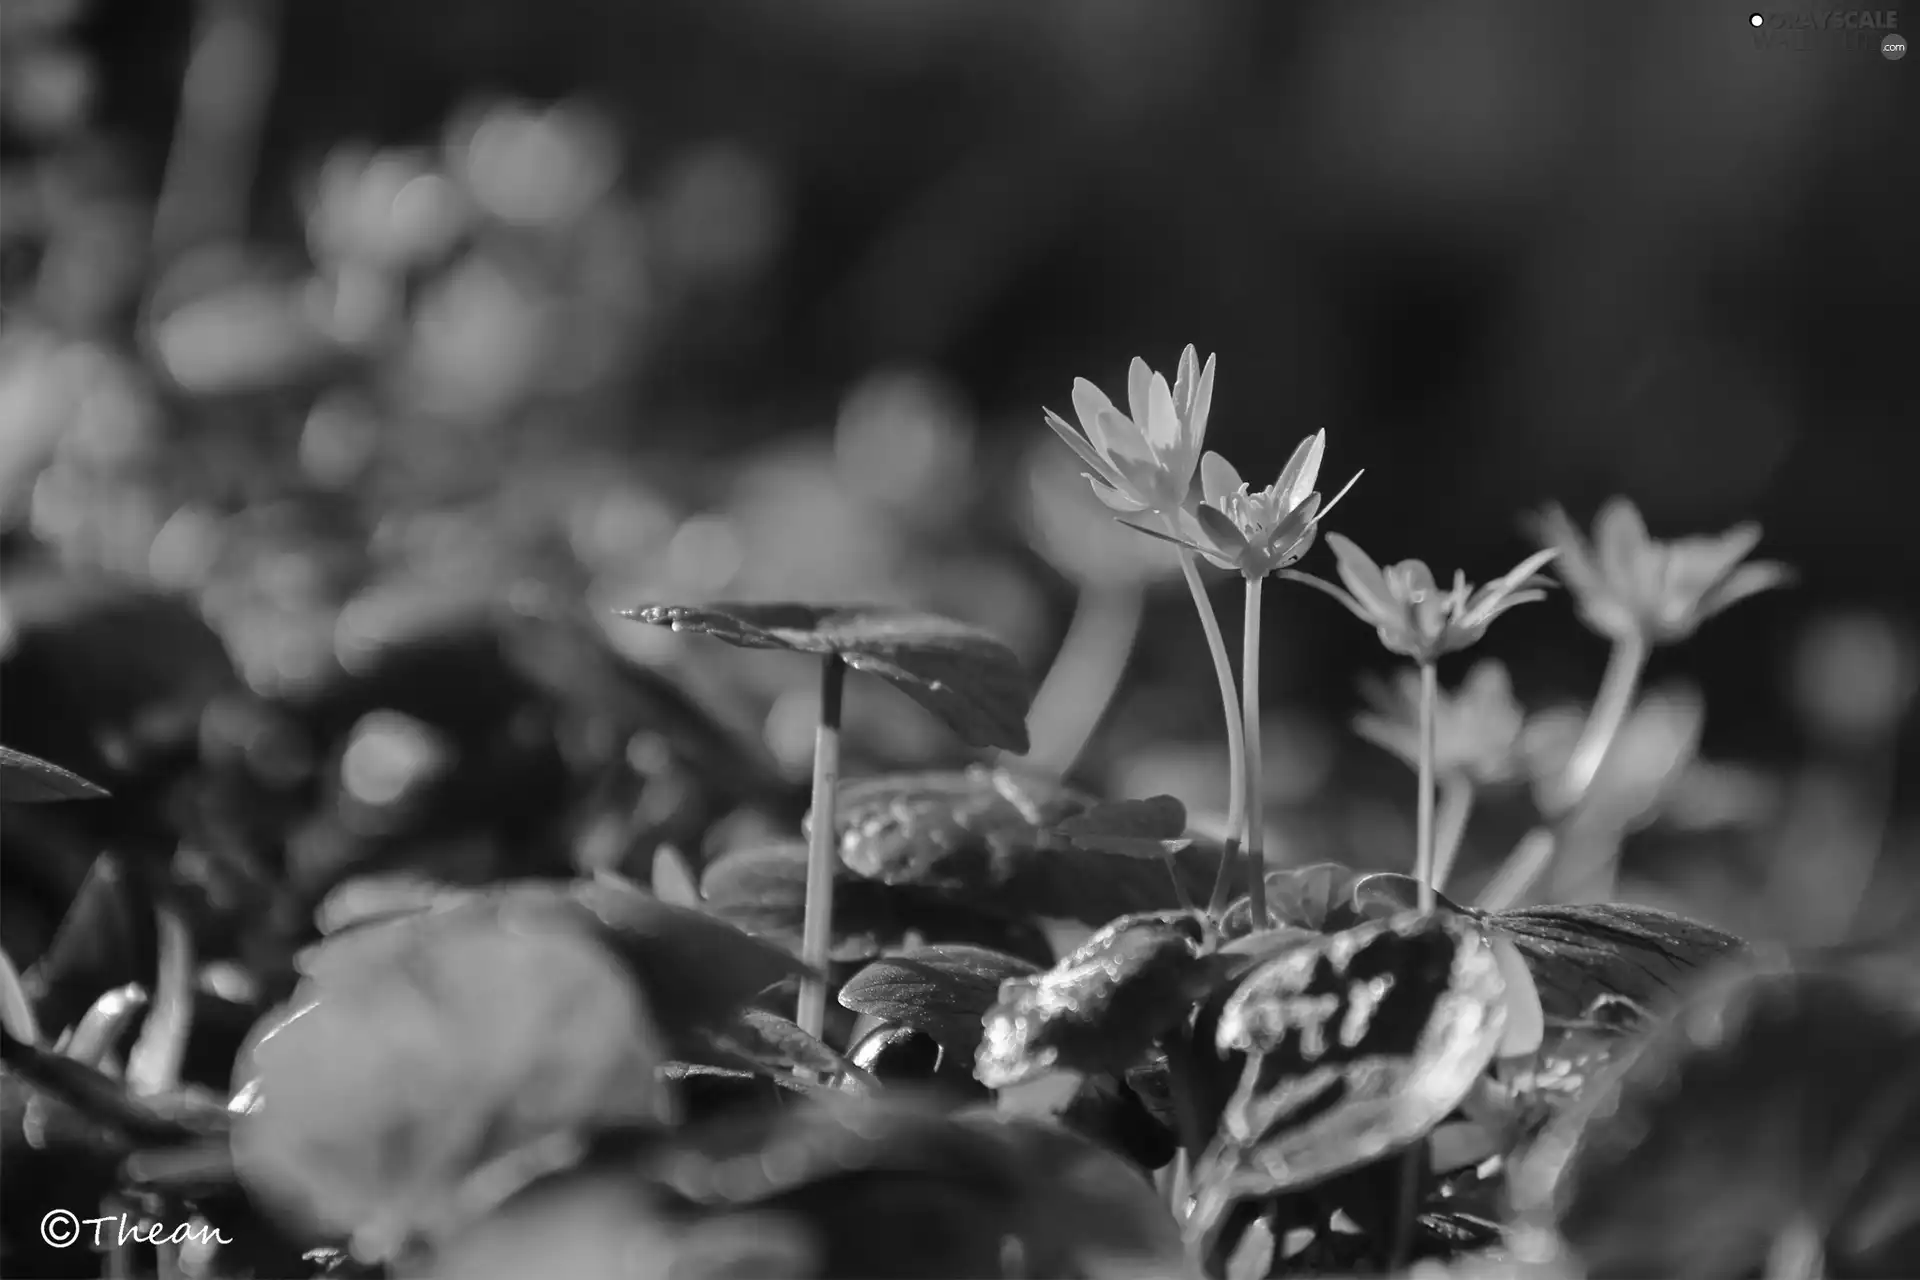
x=1610, y=706
x=1250, y=714
x=1450, y=825
x=153, y=1064
x=1236, y=740
x=16, y=1011
x=817, y=926
x=1085, y=673
x=1423, y=867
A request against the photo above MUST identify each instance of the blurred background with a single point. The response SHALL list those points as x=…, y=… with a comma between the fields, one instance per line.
x=359, y=359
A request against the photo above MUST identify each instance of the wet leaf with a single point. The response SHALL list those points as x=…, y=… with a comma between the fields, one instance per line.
x=26, y=779
x=1152, y=828
x=1316, y=897
x=1356, y=1045
x=958, y=672
x=1771, y=1101
x=985, y=836
x=943, y=990
x=1579, y=954
x=419, y=1049
x=1101, y=1007
x=763, y=891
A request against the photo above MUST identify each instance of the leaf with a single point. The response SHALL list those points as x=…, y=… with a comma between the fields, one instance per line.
x=26, y=779
x=1101, y=1007
x=424, y=1047
x=1150, y=828
x=1579, y=954
x=1317, y=897
x=1356, y=1044
x=985, y=837
x=943, y=990
x=673, y=880
x=1772, y=1098
x=102, y=943
x=367, y=899
x=1388, y=893
x=771, y=1041
x=763, y=891
x=958, y=672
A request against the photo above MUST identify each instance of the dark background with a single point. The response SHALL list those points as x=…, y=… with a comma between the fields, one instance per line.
x=1505, y=252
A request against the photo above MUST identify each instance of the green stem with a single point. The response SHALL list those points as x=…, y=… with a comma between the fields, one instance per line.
x=1423, y=867
x=1236, y=739
x=16, y=1011
x=153, y=1064
x=1250, y=713
x=1518, y=873
x=817, y=927
x=1085, y=673
x=1610, y=707
x=1456, y=806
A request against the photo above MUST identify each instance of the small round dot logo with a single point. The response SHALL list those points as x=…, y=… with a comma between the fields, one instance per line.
x=1893, y=47
x=1756, y=20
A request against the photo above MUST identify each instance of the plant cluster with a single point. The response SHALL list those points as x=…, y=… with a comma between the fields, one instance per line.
x=862, y=1049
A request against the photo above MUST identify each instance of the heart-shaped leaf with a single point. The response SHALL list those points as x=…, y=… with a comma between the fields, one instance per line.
x=1100, y=1008
x=1356, y=1044
x=1579, y=954
x=958, y=672
x=1152, y=828
x=425, y=1047
x=1388, y=893
x=1318, y=896
x=943, y=990
x=986, y=836
x=763, y=890
x=1770, y=1102
x=26, y=779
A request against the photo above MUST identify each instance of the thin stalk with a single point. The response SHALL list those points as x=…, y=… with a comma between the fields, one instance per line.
x=153, y=1065
x=817, y=928
x=1085, y=674
x=1250, y=714
x=1423, y=866
x=1610, y=707
x=1456, y=806
x=1519, y=872
x=16, y=1011
x=1236, y=738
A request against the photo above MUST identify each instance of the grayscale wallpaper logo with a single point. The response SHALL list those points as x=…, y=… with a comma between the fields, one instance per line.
x=1834, y=30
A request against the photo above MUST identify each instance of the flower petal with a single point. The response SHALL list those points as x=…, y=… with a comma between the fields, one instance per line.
x=1321, y=514
x=1164, y=536
x=1576, y=564
x=1220, y=527
x=1083, y=447
x=1747, y=580
x=1363, y=579
x=1162, y=424
x=1184, y=380
x=1096, y=414
x=1139, y=379
x=1197, y=415
x=1113, y=499
x=1218, y=479
x=1620, y=540
x=1302, y=470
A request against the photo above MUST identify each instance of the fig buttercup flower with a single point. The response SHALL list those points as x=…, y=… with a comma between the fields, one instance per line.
x=1143, y=460
x=1256, y=533
x=1630, y=585
x=1478, y=728
x=1413, y=616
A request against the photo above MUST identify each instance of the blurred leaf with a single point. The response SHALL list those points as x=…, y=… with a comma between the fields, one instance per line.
x=1771, y=1102
x=175, y=1116
x=961, y=674
x=1150, y=828
x=1579, y=954
x=370, y=899
x=1100, y=1008
x=984, y=836
x=769, y=1040
x=423, y=1048
x=673, y=880
x=102, y=942
x=764, y=892
x=26, y=779
x=942, y=990
x=1357, y=1044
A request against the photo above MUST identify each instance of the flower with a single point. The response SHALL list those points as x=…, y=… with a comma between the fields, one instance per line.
x=1477, y=729
x=1632, y=586
x=1143, y=462
x=1255, y=533
x=1413, y=616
